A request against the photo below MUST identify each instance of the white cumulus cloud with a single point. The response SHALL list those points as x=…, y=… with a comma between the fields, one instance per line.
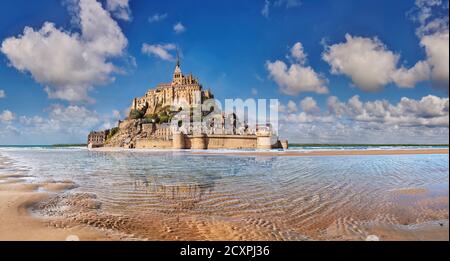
x=6, y=116
x=161, y=51
x=266, y=9
x=433, y=31
x=157, y=17
x=2, y=94
x=297, y=77
x=298, y=53
x=291, y=107
x=437, y=49
x=74, y=62
x=179, y=28
x=62, y=124
x=430, y=111
x=120, y=9
x=371, y=65
x=309, y=105
x=366, y=61
x=431, y=15
x=278, y=3
x=288, y=3
x=423, y=120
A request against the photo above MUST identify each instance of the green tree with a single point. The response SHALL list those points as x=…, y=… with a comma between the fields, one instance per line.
x=136, y=114
x=164, y=118
x=151, y=118
x=112, y=132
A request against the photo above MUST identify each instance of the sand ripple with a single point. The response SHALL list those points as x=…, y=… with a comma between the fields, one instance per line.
x=210, y=197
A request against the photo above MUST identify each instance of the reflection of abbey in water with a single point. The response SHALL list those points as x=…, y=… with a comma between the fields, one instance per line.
x=182, y=191
x=150, y=122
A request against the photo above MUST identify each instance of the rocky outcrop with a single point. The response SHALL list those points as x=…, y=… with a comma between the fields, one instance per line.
x=129, y=131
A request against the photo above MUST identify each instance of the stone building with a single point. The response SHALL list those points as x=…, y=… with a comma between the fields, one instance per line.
x=163, y=132
x=157, y=131
x=183, y=88
x=97, y=139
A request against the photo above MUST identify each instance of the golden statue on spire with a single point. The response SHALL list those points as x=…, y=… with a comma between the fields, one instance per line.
x=178, y=58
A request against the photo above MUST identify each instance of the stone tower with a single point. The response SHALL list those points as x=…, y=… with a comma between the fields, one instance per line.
x=177, y=74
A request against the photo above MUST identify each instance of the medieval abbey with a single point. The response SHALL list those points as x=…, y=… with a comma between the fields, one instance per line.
x=151, y=124
x=182, y=88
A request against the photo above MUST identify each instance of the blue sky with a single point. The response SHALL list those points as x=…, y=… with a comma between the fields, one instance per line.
x=230, y=46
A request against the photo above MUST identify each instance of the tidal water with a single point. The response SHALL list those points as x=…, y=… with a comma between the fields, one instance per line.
x=326, y=197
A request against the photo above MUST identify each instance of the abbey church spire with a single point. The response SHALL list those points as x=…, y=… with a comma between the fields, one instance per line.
x=177, y=75
x=178, y=60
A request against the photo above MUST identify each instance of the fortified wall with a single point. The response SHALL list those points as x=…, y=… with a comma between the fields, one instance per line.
x=217, y=141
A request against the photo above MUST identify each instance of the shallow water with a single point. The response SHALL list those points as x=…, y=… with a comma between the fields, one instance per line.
x=328, y=197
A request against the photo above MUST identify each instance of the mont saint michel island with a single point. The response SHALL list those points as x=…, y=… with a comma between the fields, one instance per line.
x=230, y=121
x=151, y=124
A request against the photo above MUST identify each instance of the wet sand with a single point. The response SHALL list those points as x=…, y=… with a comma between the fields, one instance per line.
x=328, y=152
x=49, y=211
x=16, y=222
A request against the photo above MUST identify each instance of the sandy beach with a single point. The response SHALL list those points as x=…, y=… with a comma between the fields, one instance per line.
x=16, y=221
x=329, y=152
x=79, y=214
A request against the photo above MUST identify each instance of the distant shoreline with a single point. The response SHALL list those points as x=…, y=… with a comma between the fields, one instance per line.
x=294, y=153
x=44, y=146
x=364, y=145
x=324, y=145
x=68, y=145
x=380, y=152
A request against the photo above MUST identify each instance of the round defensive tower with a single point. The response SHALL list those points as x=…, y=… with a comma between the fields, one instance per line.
x=263, y=141
x=178, y=141
x=198, y=142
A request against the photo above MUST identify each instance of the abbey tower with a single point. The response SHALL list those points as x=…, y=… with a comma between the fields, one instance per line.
x=183, y=88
